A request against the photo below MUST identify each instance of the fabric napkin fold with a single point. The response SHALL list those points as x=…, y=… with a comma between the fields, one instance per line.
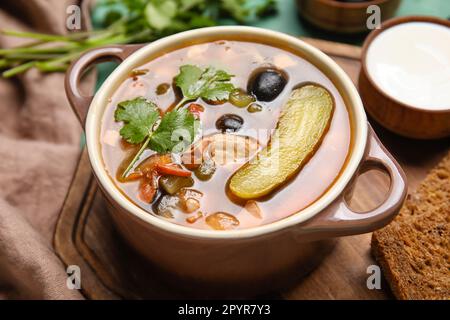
x=39, y=149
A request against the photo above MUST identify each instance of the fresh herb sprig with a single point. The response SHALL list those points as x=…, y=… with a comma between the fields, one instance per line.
x=208, y=83
x=122, y=22
x=144, y=125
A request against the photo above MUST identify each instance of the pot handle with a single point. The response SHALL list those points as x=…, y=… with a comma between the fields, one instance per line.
x=339, y=220
x=80, y=103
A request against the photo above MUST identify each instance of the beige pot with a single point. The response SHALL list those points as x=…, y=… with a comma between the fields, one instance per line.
x=251, y=260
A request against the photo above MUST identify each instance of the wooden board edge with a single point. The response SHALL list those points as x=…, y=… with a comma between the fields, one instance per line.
x=65, y=231
x=336, y=49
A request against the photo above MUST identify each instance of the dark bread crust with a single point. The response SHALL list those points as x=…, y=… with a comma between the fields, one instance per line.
x=414, y=249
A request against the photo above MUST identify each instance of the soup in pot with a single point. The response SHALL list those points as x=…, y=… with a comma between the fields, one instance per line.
x=225, y=135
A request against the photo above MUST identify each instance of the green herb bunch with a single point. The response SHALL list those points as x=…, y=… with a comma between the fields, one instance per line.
x=175, y=130
x=122, y=22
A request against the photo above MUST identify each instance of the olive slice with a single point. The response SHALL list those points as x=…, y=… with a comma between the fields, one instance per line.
x=229, y=123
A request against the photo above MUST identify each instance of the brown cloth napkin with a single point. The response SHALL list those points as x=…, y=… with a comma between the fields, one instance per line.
x=39, y=149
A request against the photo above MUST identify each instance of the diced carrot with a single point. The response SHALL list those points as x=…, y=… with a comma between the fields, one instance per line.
x=193, y=219
x=151, y=162
x=136, y=175
x=196, y=109
x=171, y=169
x=148, y=187
x=147, y=192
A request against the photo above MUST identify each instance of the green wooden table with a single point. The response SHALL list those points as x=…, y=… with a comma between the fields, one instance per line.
x=287, y=20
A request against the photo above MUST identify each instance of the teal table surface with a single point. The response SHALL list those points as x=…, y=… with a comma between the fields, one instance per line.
x=287, y=20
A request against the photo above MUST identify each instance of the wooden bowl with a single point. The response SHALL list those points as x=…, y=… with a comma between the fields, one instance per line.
x=343, y=17
x=401, y=118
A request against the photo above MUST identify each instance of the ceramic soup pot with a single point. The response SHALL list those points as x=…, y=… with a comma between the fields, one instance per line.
x=253, y=260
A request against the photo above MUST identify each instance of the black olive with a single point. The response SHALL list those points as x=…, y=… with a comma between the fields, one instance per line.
x=229, y=123
x=267, y=84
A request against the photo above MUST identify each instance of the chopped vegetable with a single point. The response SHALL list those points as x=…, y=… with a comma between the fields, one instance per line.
x=135, y=176
x=152, y=162
x=173, y=184
x=302, y=125
x=192, y=205
x=194, y=218
x=182, y=200
x=222, y=221
x=254, y=107
x=166, y=205
x=172, y=169
x=206, y=170
x=148, y=187
x=189, y=199
x=196, y=109
x=186, y=193
x=241, y=99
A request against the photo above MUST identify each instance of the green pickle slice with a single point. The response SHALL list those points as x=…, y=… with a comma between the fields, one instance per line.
x=304, y=120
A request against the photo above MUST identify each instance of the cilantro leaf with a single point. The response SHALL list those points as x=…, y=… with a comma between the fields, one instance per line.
x=175, y=132
x=139, y=117
x=209, y=83
x=187, y=79
x=218, y=92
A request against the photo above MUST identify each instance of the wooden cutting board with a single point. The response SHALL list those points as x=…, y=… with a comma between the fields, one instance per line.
x=110, y=269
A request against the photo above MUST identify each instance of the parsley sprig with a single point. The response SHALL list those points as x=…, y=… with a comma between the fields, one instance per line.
x=143, y=123
x=208, y=83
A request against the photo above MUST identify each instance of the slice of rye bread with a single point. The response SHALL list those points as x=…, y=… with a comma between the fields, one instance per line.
x=414, y=249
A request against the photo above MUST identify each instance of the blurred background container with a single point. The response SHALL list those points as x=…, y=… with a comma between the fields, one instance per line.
x=342, y=16
x=287, y=20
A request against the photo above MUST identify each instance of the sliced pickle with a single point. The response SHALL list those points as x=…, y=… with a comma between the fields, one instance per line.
x=302, y=125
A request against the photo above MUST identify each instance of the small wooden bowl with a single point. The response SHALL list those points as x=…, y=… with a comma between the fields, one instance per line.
x=343, y=17
x=401, y=118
